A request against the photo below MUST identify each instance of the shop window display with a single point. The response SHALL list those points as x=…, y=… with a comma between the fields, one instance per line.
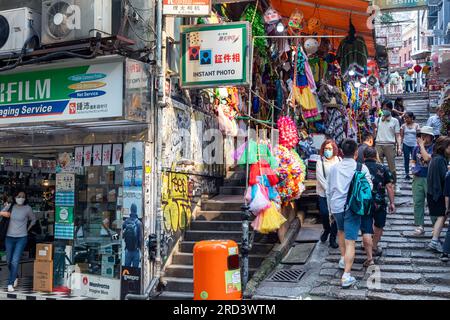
x=98, y=220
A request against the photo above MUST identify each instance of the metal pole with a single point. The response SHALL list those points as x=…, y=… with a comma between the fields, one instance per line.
x=245, y=215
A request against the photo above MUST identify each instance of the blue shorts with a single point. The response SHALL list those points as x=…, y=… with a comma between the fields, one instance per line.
x=367, y=224
x=349, y=223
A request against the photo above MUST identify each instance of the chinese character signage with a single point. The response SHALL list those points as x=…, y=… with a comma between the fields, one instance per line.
x=59, y=93
x=394, y=37
x=106, y=160
x=400, y=4
x=215, y=55
x=87, y=156
x=97, y=155
x=187, y=8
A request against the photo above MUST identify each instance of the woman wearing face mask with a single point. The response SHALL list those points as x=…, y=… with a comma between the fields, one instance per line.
x=16, y=237
x=329, y=157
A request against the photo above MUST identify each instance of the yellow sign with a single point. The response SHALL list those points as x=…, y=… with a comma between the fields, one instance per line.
x=87, y=85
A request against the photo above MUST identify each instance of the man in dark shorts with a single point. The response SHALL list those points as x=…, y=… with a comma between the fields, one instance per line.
x=382, y=180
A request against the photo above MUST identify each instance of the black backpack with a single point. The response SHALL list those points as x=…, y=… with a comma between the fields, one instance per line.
x=130, y=236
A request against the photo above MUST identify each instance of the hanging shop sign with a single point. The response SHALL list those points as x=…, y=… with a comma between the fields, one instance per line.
x=394, y=37
x=394, y=58
x=187, y=8
x=62, y=94
x=400, y=4
x=215, y=55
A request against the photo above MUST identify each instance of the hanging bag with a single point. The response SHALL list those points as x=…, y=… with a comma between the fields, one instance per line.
x=4, y=225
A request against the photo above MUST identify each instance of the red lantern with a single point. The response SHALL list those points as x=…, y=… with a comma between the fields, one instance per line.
x=417, y=68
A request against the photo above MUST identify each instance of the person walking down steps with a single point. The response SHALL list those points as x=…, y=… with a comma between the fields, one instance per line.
x=408, y=134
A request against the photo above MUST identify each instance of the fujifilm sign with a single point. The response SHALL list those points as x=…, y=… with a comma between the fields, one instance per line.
x=25, y=91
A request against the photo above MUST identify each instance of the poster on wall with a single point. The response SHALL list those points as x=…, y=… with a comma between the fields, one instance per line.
x=106, y=157
x=132, y=201
x=62, y=93
x=65, y=182
x=215, y=55
x=187, y=8
x=116, y=154
x=79, y=153
x=133, y=160
x=132, y=236
x=97, y=155
x=66, y=162
x=87, y=157
x=130, y=281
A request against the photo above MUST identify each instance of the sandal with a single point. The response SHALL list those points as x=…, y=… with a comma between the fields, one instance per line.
x=368, y=263
x=420, y=231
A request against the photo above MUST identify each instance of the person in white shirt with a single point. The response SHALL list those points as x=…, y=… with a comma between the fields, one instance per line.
x=348, y=223
x=329, y=157
x=435, y=122
x=387, y=137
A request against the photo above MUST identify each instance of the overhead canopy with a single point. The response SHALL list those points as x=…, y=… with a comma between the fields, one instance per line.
x=334, y=15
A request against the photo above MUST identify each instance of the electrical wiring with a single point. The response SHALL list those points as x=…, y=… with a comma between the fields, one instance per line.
x=146, y=23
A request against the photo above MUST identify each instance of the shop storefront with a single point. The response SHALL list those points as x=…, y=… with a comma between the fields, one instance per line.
x=75, y=139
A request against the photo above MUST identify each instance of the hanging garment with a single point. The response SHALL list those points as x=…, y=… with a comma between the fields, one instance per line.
x=352, y=52
x=335, y=125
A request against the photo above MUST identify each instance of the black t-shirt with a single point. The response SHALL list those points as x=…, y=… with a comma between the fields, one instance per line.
x=447, y=185
x=381, y=176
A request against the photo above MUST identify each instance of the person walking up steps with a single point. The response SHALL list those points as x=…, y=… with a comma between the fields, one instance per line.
x=421, y=157
x=329, y=157
x=383, y=181
x=408, y=134
x=388, y=138
x=436, y=182
x=348, y=223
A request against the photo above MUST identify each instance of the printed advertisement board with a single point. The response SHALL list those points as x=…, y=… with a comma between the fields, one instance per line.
x=102, y=288
x=215, y=55
x=186, y=8
x=62, y=94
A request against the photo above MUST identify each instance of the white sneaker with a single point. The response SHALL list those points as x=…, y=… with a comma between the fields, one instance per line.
x=341, y=263
x=16, y=283
x=10, y=288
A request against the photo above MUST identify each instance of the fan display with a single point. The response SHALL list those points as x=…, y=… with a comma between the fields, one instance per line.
x=59, y=16
x=4, y=31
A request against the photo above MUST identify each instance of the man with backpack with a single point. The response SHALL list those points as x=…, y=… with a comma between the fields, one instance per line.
x=374, y=223
x=132, y=235
x=349, y=196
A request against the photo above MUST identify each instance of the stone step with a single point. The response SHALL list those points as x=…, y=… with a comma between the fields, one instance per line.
x=187, y=271
x=216, y=225
x=395, y=296
x=219, y=215
x=400, y=277
x=179, y=284
x=199, y=235
x=257, y=248
x=234, y=203
x=184, y=258
x=232, y=190
x=171, y=295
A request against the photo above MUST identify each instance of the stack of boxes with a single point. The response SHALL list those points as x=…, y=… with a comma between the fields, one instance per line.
x=43, y=268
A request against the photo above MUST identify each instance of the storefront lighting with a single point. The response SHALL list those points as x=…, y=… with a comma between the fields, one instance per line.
x=351, y=73
x=363, y=80
x=357, y=84
x=280, y=27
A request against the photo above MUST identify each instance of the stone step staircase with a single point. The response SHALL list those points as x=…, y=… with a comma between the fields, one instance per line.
x=219, y=219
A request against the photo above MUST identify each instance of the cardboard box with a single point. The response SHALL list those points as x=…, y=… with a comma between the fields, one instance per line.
x=91, y=194
x=84, y=267
x=44, y=252
x=43, y=276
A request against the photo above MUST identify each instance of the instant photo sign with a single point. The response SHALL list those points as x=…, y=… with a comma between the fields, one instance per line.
x=186, y=8
x=215, y=55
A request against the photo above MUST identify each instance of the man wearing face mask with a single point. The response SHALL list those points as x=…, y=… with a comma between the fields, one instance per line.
x=387, y=138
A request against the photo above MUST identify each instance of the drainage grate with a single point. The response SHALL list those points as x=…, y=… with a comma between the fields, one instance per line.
x=287, y=275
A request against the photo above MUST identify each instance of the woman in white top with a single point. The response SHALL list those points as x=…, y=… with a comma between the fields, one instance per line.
x=329, y=157
x=408, y=133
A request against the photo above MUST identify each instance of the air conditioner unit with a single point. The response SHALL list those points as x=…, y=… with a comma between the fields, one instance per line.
x=19, y=27
x=69, y=20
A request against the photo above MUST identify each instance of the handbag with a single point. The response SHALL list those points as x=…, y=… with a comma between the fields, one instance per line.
x=4, y=225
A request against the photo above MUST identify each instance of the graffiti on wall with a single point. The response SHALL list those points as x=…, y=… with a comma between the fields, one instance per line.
x=176, y=201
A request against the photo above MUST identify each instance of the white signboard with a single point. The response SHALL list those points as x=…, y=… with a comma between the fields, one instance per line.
x=215, y=55
x=179, y=8
x=394, y=37
x=62, y=94
x=394, y=58
x=87, y=285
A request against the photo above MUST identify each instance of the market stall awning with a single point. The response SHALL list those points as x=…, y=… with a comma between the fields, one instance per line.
x=334, y=15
